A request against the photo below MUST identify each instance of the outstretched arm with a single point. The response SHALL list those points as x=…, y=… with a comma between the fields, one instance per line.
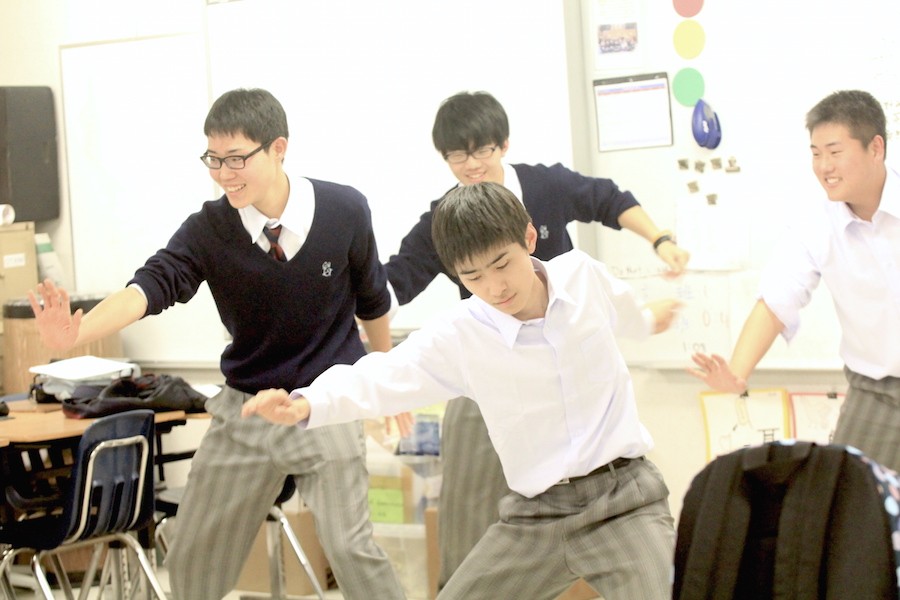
x=637, y=220
x=61, y=330
x=759, y=332
x=379, y=333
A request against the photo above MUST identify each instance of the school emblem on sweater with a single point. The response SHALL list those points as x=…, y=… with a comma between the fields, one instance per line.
x=544, y=232
x=326, y=269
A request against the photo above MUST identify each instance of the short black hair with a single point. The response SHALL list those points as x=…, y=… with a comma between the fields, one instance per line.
x=254, y=113
x=469, y=120
x=859, y=111
x=473, y=219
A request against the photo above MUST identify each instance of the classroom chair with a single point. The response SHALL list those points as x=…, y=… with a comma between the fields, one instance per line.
x=107, y=496
x=789, y=519
x=277, y=525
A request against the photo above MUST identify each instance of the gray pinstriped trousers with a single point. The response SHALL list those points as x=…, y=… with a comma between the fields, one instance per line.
x=870, y=418
x=235, y=476
x=613, y=528
x=472, y=484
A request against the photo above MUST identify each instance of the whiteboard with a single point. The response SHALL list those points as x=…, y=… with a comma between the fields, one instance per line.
x=132, y=141
x=764, y=65
x=360, y=81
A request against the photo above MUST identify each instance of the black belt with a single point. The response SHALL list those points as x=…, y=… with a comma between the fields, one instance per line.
x=610, y=466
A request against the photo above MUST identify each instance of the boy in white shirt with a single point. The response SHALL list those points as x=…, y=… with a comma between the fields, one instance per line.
x=851, y=241
x=535, y=348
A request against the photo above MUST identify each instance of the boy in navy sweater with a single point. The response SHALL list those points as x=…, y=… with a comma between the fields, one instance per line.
x=287, y=290
x=471, y=132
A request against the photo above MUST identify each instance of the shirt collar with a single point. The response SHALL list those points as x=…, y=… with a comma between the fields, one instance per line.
x=300, y=198
x=890, y=195
x=508, y=325
x=511, y=181
x=889, y=203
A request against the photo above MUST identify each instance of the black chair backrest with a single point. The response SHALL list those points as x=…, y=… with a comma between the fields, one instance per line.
x=112, y=478
x=290, y=486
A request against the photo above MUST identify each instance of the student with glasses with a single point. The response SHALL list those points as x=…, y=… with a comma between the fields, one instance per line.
x=471, y=132
x=289, y=321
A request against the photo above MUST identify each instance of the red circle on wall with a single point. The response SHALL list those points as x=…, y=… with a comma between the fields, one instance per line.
x=687, y=8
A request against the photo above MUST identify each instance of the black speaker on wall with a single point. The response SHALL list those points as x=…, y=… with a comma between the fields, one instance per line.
x=29, y=177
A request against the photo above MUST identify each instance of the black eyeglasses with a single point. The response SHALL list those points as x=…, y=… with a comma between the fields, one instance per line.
x=459, y=156
x=232, y=162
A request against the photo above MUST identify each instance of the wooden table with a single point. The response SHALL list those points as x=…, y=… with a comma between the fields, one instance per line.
x=30, y=427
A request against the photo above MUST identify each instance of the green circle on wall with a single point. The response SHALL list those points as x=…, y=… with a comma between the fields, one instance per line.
x=688, y=86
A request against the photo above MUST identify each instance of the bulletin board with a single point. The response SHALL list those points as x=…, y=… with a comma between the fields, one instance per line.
x=761, y=66
x=133, y=142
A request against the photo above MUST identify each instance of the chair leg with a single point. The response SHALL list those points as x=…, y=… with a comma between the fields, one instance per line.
x=41, y=576
x=62, y=576
x=276, y=563
x=281, y=522
x=5, y=565
x=91, y=571
x=159, y=536
x=6, y=585
x=145, y=565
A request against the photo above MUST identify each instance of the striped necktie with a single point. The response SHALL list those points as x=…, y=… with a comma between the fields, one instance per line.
x=275, y=250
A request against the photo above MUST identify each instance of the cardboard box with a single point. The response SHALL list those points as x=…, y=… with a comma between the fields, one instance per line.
x=255, y=574
x=580, y=590
x=404, y=545
x=401, y=486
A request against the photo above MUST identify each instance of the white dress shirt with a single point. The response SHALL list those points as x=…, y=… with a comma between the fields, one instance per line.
x=860, y=263
x=295, y=221
x=555, y=392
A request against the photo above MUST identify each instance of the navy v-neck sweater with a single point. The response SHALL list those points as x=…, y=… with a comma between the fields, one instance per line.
x=554, y=197
x=289, y=320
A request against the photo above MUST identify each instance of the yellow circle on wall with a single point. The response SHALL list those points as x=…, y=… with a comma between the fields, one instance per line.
x=689, y=39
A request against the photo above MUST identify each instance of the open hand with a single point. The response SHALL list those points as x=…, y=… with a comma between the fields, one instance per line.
x=56, y=324
x=276, y=406
x=664, y=313
x=714, y=370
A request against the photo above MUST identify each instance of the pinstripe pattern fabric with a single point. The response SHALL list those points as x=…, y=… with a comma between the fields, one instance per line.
x=870, y=418
x=613, y=528
x=235, y=476
x=471, y=487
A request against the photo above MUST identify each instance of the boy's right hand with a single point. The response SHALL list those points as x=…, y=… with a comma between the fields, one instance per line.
x=664, y=312
x=56, y=324
x=277, y=406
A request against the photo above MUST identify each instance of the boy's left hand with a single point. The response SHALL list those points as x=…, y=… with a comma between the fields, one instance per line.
x=276, y=406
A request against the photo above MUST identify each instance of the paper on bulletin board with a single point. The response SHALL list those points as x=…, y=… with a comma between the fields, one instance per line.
x=815, y=415
x=633, y=111
x=614, y=33
x=734, y=421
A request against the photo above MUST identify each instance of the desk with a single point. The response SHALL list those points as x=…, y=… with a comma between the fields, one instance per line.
x=31, y=427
